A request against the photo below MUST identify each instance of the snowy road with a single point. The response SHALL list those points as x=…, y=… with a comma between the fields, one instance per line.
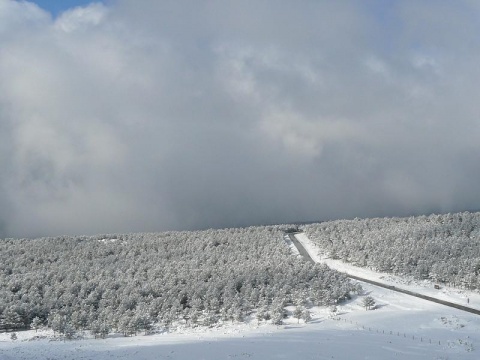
x=311, y=256
x=300, y=248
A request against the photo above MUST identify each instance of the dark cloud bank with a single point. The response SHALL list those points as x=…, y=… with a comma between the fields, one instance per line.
x=146, y=116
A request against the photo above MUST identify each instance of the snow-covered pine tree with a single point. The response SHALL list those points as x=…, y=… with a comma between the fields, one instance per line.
x=368, y=302
x=36, y=323
x=297, y=313
x=306, y=316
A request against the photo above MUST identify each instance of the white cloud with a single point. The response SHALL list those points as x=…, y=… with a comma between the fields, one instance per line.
x=81, y=18
x=305, y=138
x=377, y=66
x=137, y=116
x=15, y=14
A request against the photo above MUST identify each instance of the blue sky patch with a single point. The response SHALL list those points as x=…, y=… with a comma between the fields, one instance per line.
x=56, y=7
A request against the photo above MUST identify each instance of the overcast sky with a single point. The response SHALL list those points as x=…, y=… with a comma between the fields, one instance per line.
x=153, y=115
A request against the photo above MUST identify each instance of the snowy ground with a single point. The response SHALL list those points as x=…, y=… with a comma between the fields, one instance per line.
x=401, y=327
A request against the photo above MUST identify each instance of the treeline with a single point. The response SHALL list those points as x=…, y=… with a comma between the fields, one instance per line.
x=443, y=248
x=135, y=282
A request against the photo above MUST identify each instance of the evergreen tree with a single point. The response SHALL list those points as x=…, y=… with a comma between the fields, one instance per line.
x=12, y=319
x=297, y=313
x=306, y=316
x=69, y=331
x=261, y=314
x=277, y=318
x=368, y=302
x=57, y=323
x=36, y=323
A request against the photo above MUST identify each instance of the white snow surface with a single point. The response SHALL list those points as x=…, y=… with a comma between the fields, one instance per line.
x=401, y=327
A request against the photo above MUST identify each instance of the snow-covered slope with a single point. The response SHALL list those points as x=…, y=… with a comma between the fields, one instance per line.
x=402, y=327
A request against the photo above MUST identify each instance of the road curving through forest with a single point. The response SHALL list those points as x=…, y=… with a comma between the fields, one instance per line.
x=307, y=257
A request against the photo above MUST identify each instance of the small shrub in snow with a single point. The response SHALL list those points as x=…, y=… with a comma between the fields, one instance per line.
x=333, y=311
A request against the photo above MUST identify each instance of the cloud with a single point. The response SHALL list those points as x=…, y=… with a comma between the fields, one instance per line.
x=148, y=116
x=80, y=18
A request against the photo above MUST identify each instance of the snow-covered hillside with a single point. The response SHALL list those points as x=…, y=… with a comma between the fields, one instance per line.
x=402, y=327
x=133, y=283
x=399, y=327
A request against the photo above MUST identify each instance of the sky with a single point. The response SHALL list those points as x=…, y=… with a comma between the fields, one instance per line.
x=129, y=116
x=56, y=7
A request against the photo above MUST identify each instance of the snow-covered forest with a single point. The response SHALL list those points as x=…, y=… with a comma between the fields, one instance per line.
x=443, y=248
x=137, y=282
